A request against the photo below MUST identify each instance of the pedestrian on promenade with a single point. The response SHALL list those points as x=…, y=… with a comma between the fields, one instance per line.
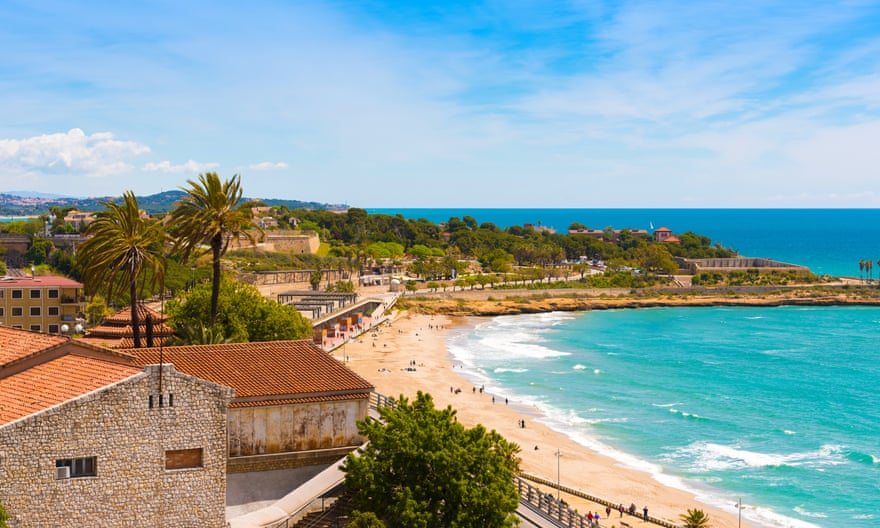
x=645, y=509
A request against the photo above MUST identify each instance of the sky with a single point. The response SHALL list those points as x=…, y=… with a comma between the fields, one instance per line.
x=496, y=103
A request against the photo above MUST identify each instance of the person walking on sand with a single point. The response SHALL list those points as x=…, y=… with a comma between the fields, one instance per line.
x=645, y=509
x=608, y=512
x=621, y=510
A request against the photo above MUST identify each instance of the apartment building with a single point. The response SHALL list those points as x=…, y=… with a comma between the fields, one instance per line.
x=41, y=303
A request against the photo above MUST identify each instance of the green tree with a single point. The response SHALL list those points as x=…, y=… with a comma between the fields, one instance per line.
x=361, y=519
x=97, y=310
x=38, y=251
x=695, y=519
x=244, y=314
x=422, y=468
x=315, y=279
x=3, y=516
x=124, y=249
x=411, y=286
x=211, y=212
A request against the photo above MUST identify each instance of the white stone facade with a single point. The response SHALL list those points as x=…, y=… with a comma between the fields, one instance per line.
x=129, y=441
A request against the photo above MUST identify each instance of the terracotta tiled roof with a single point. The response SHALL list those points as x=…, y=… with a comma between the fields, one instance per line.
x=159, y=329
x=124, y=315
x=268, y=371
x=16, y=344
x=55, y=382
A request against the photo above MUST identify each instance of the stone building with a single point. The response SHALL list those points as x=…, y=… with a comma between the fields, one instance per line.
x=294, y=404
x=90, y=438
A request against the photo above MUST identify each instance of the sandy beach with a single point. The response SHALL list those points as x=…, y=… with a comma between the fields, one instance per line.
x=383, y=356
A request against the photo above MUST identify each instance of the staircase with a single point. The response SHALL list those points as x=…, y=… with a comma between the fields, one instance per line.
x=335, y=515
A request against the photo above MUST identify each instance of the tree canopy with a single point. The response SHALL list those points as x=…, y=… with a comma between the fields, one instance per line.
x=421, y=468
x=244, y=315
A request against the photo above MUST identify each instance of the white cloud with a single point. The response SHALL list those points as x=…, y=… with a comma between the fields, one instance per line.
x=72, y=153
x=189, y=166
x=268, y=165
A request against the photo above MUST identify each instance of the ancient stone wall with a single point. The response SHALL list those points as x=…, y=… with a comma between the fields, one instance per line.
x=129, y=440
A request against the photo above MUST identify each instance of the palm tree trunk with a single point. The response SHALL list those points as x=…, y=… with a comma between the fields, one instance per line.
x=216, y=248
x=135, y=324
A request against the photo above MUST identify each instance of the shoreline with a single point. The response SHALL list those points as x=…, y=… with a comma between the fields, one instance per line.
x=418, y=342
x=491, y=302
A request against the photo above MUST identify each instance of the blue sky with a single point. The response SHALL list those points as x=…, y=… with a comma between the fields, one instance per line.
x=448, y=104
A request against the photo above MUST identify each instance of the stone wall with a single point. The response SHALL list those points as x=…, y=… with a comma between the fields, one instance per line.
x=129, y=440
x=290, y=428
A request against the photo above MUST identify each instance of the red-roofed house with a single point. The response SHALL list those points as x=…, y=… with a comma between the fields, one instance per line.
x=662, y=233
x=294, y=404
x=90, y=438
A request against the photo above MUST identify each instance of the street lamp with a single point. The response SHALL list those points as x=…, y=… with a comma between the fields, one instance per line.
x=193, y=270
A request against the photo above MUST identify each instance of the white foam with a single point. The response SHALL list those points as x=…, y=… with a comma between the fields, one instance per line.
x=805, y=513
x=708, y=456
x=579, y=367
x=786, y=431
x=517, y=370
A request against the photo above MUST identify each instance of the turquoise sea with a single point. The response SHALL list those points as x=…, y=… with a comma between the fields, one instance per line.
x=776, y=406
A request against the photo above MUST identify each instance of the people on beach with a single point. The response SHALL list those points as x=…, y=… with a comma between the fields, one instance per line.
x=645, y=509
x=608, y=511
x=621, y=509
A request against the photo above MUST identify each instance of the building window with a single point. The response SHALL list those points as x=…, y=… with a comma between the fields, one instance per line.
x=16, y=294
x=17, y=311
x=183, y=458
x=53, y=310
x=53, y=328
x=35, y=311
x=80, y=467
x=35, y=328
x=35, y=294
x=18, y=327
x=2, y=311
x=52, y=294
x=2, y=293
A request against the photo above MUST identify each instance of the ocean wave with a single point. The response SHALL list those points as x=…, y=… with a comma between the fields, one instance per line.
x=863, y=458
x=786, y=431
x=517, y=370
x=707, y=456
x=579, y=367
x=806, y=513
x=665, y=404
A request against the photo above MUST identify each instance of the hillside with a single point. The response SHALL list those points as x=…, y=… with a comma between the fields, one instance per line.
x=34, y=204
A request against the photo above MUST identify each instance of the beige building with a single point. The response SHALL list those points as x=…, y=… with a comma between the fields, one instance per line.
x=89, y=438
x=41, y=303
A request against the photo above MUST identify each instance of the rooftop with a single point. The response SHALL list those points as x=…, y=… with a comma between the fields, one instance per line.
x=269, y=372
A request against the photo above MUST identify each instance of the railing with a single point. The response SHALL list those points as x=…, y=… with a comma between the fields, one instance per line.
x=578, y=493
x=318, y=504
x=380, y=400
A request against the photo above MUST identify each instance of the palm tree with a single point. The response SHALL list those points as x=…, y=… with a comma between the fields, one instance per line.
x=695, y=519
x=124, y=249
x=211, y=213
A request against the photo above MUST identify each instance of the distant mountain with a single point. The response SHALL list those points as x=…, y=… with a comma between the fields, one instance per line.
x=35, y=204
x=35, y=194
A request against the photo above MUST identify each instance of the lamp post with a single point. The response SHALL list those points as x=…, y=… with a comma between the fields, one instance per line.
x=193, y=270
